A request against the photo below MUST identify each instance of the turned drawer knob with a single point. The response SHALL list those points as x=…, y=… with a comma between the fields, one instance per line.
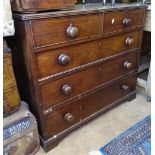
x=127, y=65
x=129, y=41
x=64, y=59
x=72, y=32
x=69, y=118
x=125, y=87
x=66, y=89
x=126, y=21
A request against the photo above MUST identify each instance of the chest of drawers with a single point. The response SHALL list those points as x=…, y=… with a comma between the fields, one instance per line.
x=71, y=66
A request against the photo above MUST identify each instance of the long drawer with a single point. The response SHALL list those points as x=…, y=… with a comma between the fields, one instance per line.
x=70, y=57
x=53, y=31
x=66, y=117
x=80, y=82
x=121, y=20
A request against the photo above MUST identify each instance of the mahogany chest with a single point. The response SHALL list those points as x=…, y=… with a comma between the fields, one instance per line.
x=74, y=65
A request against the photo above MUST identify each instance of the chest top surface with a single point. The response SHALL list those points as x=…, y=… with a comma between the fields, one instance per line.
x=78, y=9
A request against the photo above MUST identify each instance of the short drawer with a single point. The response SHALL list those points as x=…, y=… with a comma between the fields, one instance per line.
x=65, y=29
x=108, y=95
x=80, y=82
x=66, y=58
x=120, y=20
x=61, y=119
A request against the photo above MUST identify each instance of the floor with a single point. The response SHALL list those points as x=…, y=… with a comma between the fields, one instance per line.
x=100, y=131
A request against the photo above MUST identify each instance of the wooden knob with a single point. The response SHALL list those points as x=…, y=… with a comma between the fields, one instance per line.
x=127, y=65
x=72, y=32
x=66, y=89
x=69, y=118
x=129, y=41
x=126, y=21
x=125, y=87
x=64, y=59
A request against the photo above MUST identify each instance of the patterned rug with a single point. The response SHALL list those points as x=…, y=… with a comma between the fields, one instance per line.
x=135, y=141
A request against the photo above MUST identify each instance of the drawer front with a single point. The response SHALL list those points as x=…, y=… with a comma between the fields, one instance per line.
x=108, y=95
x=75, y=84
x=120, y=20
x=61, y=59
x=119, y=43
x=73, y=56
x=65, y=29
x=61, y=119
